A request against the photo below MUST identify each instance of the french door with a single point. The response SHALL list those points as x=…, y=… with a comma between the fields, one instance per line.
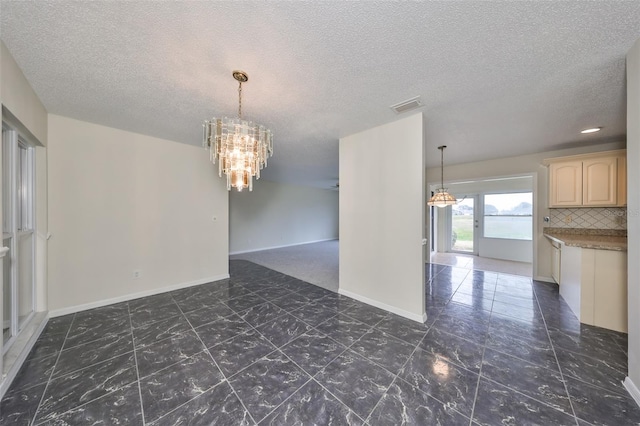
x=18, y=278
x=463, y=226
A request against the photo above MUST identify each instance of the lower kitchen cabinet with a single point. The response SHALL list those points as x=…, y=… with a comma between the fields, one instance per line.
x=594, y=284
x=556, y=254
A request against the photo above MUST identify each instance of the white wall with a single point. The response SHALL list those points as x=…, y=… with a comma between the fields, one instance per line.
x=20, y=99
x=633, y=215
x=121, y=201
x=511, y=166
x=506, y=249
x=277, y=214
x=382, y=203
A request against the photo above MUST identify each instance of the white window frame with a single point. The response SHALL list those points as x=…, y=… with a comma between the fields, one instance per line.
x=477, y=212
x=16, y=145
x=484, y=216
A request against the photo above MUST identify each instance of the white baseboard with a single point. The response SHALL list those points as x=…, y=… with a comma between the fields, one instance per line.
x=126, y=297
x=406, y=314
x=545, y=279
x=283, y=246
x=632, y=389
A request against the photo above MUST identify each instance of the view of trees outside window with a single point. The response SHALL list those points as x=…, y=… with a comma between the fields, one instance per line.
x=508, y=216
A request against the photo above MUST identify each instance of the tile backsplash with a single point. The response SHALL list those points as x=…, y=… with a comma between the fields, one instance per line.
x=589, y=218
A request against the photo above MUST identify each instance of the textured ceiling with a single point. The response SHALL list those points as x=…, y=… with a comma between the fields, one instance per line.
x=497, y=78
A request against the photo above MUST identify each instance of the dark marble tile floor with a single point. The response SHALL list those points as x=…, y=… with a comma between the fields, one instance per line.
x=265, y=348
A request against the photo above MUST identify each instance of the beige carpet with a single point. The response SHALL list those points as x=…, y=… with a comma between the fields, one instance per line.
x=315, y=263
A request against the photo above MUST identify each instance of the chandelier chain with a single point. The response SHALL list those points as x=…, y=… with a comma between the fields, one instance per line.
x=441, y=148
x=442, y=167
x=240, y=100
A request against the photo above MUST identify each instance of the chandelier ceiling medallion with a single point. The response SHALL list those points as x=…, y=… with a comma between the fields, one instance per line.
x=241, y=147
x=442, y=198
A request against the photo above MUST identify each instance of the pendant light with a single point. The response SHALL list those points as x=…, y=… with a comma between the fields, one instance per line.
x=442, y=198
x=240, y=146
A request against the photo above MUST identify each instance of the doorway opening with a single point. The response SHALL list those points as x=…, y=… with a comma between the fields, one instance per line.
x=493, y=220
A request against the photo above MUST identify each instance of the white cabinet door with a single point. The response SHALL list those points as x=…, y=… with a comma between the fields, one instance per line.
x=600, y=181
x=610, y=310
x=566, y=184
x=622, y=180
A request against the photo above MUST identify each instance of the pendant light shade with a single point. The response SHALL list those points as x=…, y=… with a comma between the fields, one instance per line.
x=442, y=198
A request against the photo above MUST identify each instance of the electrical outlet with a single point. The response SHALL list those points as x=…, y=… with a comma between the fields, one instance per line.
x=568, y=219
x=137, y=274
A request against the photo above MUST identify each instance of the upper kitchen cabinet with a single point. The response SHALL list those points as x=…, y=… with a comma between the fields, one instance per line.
x=588, y=180
x=566, y=184
x=622, y=179
x=600, y=181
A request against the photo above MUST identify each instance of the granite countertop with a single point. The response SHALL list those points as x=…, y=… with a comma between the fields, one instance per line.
x=588, y=238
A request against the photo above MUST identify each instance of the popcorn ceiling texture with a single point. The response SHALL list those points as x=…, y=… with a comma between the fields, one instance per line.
x=589, y=218
x=498, y=78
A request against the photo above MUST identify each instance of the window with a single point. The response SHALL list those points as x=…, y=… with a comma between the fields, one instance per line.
x=509, y=216
x=17, y=234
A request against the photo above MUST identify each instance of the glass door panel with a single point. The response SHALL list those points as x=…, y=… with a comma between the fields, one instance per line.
x=25, y=277
x=6, y=293
x=463, y=224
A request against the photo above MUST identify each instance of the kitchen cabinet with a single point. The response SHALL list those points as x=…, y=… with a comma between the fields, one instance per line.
x=622, y=180
x=566, y=184
x=594, y=284
x=555, y=261
x=588, y=180
x=600, y=181
x=610, y=290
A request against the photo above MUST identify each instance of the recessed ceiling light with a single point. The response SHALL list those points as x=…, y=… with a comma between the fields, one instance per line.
x=592, y=130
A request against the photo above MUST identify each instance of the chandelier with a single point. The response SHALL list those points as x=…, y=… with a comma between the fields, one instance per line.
x=442, y=198
x=241, y=147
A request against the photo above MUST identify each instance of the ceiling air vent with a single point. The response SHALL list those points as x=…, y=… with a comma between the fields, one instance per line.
x=407, y=105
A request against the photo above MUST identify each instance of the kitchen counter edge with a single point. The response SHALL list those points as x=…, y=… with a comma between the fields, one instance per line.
x=596, y=242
